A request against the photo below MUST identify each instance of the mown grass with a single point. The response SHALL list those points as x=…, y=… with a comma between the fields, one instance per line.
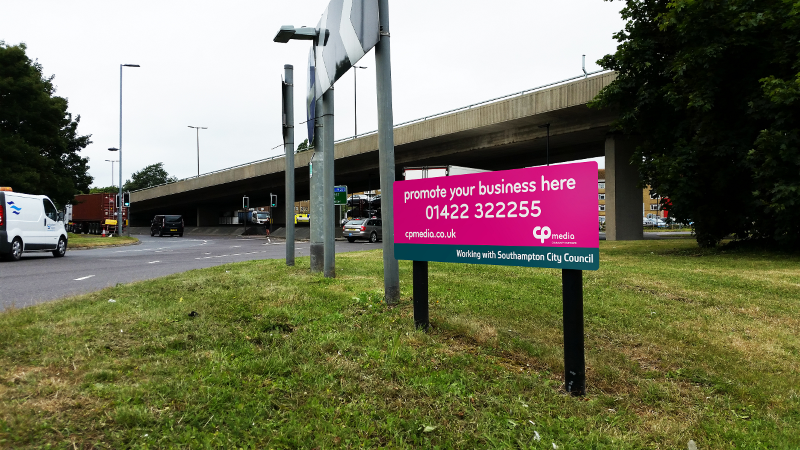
x=94, y=241
x=681, y=343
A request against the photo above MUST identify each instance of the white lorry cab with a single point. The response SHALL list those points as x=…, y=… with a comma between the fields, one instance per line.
x=30, y=223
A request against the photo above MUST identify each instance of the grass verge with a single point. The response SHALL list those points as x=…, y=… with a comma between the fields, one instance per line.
x=81, y=241
x=681, y=343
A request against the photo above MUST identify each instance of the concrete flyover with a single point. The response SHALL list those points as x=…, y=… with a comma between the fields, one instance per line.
x=500, y=135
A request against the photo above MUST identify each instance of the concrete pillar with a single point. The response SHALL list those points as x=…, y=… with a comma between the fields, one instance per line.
x=623, y=195
x=206, y=217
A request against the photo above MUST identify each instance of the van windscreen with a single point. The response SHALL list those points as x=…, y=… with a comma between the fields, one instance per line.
x=172, y=218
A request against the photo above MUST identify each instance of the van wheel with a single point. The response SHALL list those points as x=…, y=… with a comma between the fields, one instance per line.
x=373, y=237
x=152, y=233
x=16, y=250
x=180, y=235
x=61, y=250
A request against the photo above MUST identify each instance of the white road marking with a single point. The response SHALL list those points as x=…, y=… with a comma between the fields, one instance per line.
x=153, y=262
x=83, y=278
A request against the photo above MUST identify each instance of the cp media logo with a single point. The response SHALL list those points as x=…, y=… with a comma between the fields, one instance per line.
x=16, y=209
x=541, y=233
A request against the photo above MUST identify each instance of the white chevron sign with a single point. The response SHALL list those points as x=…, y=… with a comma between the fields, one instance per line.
x=347, y=30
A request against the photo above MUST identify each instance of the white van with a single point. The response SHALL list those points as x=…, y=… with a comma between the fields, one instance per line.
x=30, y=223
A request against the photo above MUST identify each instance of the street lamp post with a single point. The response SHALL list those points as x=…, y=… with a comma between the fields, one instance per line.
x=119, y=211
x=355, y=100
x=198, y=146
x=112, y=161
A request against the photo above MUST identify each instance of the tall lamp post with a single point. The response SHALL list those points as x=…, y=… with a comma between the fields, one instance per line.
x=112, y=161
x=119, y=211
x=198, y=146
x=355, y=100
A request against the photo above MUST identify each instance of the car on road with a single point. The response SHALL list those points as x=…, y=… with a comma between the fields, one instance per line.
x=166, y=224
x=364, y=229
x=652, y=222
x=30, y=223
x=302, y=218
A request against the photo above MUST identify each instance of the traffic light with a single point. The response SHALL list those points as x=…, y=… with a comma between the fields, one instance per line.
x=245, y=202
x=273, y=200
x=116, y=201
x=126, y=199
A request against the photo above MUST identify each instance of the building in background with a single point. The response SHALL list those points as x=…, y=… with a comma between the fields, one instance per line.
x=651, y=204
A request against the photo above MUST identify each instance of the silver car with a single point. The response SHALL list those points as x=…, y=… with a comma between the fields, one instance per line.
x=369, y=229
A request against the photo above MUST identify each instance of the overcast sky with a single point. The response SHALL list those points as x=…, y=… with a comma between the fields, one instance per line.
x=213, y=64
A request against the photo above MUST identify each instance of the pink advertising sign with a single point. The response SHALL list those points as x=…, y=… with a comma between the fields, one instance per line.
x=535, y=217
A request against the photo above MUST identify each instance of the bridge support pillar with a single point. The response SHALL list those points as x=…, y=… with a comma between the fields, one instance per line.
x=623, y=196
x=206, y=217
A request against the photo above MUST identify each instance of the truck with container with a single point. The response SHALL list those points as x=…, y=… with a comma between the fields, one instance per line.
x=93, y=214
x=416, y=173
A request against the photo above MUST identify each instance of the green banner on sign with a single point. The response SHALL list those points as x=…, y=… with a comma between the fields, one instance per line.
x=551, y=257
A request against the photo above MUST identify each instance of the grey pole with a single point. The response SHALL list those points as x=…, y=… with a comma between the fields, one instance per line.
x=383, y=66
x=112, y=161
x=329, y=221
x=288, y=144
x=119, y=210
x=355, y=100
x=316, y=198
x=198, y=146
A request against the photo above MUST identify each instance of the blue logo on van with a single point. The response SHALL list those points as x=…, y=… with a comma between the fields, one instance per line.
x=16, y=209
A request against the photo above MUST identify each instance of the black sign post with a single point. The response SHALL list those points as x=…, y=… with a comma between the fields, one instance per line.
x=574, y=361
x=420, y=282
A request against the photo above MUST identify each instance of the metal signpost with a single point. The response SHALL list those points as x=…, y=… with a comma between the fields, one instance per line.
x=346, y=32
x=547, y=215
x=287, y=89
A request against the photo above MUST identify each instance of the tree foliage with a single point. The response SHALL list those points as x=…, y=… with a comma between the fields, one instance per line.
x=303, y=146
x=39, y=141
x=712, y=89
x=152, y=175
x=104, y=190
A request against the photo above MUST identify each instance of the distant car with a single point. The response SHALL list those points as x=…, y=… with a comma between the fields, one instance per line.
x=301, y=218
x=651, y=222
x=166, y=224
x=369, y=229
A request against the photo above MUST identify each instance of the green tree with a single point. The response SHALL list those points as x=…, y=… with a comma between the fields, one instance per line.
x=150, y=176
x=303, y=146
x=104, y=190
x=711, y=88
x=39, y=141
